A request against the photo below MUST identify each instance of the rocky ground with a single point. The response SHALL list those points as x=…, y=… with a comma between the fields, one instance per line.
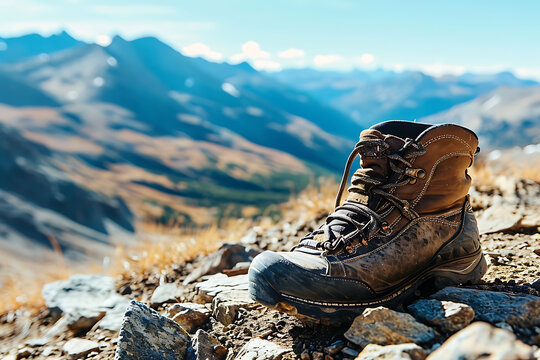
x=201, y=310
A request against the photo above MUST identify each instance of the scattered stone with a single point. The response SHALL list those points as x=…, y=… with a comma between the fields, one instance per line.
x=317, y=355
x=383, y=326
x=446, y=315
x=225, y=258
x=113, y=317
x=392, y=352
x=37, y=342
x=349, y=352
x=498, y=218
x=83, y=319
x=226, y=304
x=260, y=349
x=238, y=269
x=204, y=346
x=77, y=348
x=188, y=315
x=147, y=335
x=89, y=292
x=328, y=357
x=520, y=310
x=305, y=355
x=250, y=238
x=213, y=285
x=24, y=353
x=84, y=299
x=334, y=348
x=47, y=351
x=165, y=293
x=482, y=341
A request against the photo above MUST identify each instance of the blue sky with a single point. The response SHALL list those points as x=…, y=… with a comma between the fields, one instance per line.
x=435, y=36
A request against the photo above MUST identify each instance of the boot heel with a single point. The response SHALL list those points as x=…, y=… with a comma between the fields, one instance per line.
x=461, y=271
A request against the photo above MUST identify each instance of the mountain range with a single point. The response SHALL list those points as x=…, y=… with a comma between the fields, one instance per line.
x=101, y=138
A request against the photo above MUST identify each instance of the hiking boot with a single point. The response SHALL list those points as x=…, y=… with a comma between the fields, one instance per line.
x=406, y=221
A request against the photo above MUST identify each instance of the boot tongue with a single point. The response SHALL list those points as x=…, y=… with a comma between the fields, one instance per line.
x=374, y=165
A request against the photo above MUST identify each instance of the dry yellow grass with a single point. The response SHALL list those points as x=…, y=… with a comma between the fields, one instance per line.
x=485, y=172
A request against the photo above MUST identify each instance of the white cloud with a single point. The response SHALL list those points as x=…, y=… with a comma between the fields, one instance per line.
x=103, y=40
x=251, y=50
x=291, y=53
x=366, y=58
x=439, y=69
x=200, y=49
x=267, y=65
x=324, y=60
x=527, y=73
x=398, y=67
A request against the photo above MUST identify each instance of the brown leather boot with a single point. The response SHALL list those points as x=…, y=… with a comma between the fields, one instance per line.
x=406, y=220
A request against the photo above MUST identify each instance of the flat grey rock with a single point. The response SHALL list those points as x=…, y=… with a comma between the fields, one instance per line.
x=383, y=326
x=84, y=300
x=483, y=342
x=77, y=348
x=147, y=335
x=166, y=293
x=498, y=218
x=447, y=316
x=113, y=318
x=519, y=310
x=259, y=349
x=92, y=292
x=392, y=352
x=214, y=284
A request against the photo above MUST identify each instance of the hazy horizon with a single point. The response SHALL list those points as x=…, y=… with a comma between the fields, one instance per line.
x=479, y=37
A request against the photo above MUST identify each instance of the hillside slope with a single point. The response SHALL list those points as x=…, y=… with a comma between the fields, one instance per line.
x=504, y=117
x=373, y=96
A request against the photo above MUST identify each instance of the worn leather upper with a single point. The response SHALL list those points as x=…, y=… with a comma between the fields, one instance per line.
x=439, y=227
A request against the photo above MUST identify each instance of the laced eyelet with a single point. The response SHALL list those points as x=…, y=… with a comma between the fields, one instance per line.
x=385, y=229
x=415, y=173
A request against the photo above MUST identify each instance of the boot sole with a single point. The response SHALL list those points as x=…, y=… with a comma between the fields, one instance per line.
x=465, y=270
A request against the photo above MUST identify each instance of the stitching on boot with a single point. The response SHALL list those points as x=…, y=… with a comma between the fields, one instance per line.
x=445, y=157
x=448, y=136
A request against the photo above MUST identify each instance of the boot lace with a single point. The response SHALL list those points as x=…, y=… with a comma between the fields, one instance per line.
x=364, y=220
